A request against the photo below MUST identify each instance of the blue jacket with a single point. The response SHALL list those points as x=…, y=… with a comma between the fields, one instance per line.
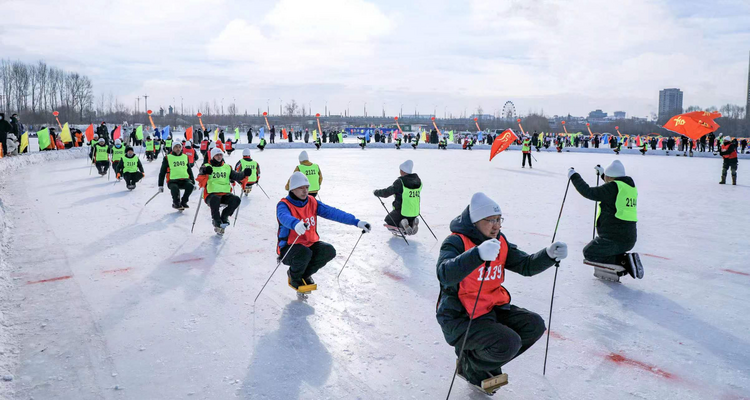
x=287, y=221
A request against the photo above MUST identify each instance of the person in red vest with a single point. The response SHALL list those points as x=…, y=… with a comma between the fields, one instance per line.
x=190, y=152
x=204, y=148
x=219, y=145
x=228, y=147
x=728, y=151
x=500, y=331
x=298, y=243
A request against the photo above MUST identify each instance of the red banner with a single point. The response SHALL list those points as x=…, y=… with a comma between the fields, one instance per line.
x=90, y=132
x=189, y=133
x=502, y=141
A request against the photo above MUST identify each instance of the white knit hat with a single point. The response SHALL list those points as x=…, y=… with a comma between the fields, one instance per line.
x=188, y=144
x=482, y=207
x=175, y=144
x=101, y=140
x=216, y=151
x=246, y=153
x=615, y=170
x=298, y=179
x=727, y=139
x=407, y=166
x=303, y=156
x=118, y=142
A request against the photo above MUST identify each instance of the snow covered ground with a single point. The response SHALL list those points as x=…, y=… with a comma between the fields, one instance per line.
x=111, y=300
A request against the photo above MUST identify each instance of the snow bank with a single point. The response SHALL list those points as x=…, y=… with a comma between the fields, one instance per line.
x=9, y=164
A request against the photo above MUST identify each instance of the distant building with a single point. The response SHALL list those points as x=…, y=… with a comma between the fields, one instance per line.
x=171, y=110
x=422, y=117
x=597, y=114
x=747, y=107
x=482, y=116
x=619, y=114
x=670, y=102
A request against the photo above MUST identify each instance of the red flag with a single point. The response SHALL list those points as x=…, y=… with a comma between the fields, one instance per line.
x=502, y=142
x=189, y=133
x=694, y=124
x=116, y=134
x=90, y=133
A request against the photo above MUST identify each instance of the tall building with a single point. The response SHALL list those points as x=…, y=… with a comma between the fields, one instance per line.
x=747, y=107
x=670, y=102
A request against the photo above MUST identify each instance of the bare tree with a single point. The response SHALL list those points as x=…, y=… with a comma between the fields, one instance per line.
x=291, y=108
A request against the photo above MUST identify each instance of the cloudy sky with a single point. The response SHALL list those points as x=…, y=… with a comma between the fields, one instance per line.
x=561, y=57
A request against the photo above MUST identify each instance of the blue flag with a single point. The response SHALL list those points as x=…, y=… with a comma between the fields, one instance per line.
x=479, y=136
x=605, y=138
x=262, y=133
x=367, y=135
x=165, y=132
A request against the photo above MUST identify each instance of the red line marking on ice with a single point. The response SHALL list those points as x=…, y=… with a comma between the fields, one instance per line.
x=393, y=276
x=187, y=261
x=557, y=335
x=620, y=359
x=655, y=256
x=114, y=271
x=59, y=278
x=736, y=272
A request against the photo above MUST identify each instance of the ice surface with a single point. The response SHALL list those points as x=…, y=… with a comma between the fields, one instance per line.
x=139, y=304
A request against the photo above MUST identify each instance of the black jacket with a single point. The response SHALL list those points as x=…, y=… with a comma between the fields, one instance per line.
x=607, y=225
x=5, y=128
x=102, y=131
x=411, y=181
x=732, y=148
x=454, y=264
x=165, y=168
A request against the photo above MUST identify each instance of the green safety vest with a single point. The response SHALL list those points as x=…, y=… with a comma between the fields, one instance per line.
x=262, y=142
x=149, y=145
x=526, y=145
x=157, y=145
x=130, y=164
x=178, y=166
x=625, y=203
x=341, y=138
x=168, y=143
x=410, y=201
x=101, y=152
x=118, y=153
x=253, y=165
x=218, y=181
x=312, y=173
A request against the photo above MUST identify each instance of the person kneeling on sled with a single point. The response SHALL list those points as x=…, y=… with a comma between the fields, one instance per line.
x=406, y=191
x=499, y=331
x=149, y=144
x=130, y=168
x=179, y=176
x=101, y=156
x=216, y=177
x=298, y=242
x=616, y=218
x=247, y=162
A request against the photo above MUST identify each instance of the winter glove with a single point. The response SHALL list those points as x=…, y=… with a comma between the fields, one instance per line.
x=118, y=176
x=365, y=226
x=300, y=228
x=557, y=251
x=208, y=170
x=599, y=170
x=248, y=171
x=489, y=250
x=161, y=189
x=571, y=172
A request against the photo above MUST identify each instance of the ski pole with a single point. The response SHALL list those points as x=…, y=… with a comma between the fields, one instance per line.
x=108, y=171
x=152, y=197
x=197, y=209
x=237, y=214
x=554, y=282
x=350, y=255
x=532, y=156
x=277, y=267
x=593, y=234
x=261, y=188
x=388, y=215
x=428, y=227
x=466, y=334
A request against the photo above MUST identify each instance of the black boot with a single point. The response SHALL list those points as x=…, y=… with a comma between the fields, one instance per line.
x=176, y=206
x=217, y=223
x=293, y=283
x=734, y=180
x=184, y=204
x=308, y=280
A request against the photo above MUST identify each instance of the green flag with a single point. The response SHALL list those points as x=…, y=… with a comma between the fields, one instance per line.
x=139, y=132
x=44, y=139
x=341, y=138
x=450, y=136
x=236, y=134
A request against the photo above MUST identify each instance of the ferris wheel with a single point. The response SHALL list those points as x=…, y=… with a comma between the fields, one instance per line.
x=509, y=110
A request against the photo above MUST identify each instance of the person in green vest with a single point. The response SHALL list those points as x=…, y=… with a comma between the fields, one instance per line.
x=362, y=142
x=130, y=168
x=150, y=146
x=247, y=162
x=168, y=144
x=93, y=143
x=157, y=147
x=398, y=143
x=406, y=190
x=101, y=157
x=416, y=141
x=179, y=177
x=526, y=151
x=318, y=141
x=312, y=171
x=216, y=177
x=118, y=152
x=616, y=218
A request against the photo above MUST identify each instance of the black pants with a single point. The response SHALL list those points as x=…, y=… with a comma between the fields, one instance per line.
x=260, y=147
x=394, y=218
x=729, y=163
x=249, y=137
x=175, y=186
x=498, y=337
x=132, y=177
x=525, y=156
x=215, y=200
x=305, y=261
x=606, y=250
x=115, y=164
x=149, y=155
x=102, y=166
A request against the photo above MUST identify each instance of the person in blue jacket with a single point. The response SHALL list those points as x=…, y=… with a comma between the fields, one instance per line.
x=298, y=242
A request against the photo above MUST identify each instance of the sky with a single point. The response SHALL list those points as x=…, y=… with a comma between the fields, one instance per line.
x=444, y=56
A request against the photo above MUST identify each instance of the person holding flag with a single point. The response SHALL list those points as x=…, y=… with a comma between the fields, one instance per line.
x=130, y=168
x=244, y=163
x=311, y=171
x=526, y=151
x=406, y=190
x=179, y=177
x=101, y=153
x=728, y=152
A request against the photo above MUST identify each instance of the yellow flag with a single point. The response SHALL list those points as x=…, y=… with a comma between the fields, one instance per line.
x=65, y=134
x=24, y=142
x=424, y=136
x=216, y=134
x=315, y=135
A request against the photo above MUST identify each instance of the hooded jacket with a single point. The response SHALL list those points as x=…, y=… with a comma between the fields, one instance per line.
x=411, y=181
x=607, y=225
x=287, y=221
x=455, y=263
